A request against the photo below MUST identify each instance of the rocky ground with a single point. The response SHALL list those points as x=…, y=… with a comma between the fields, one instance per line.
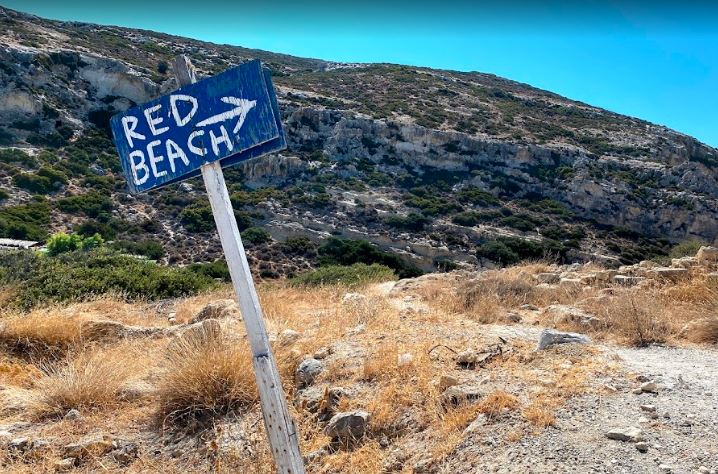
x=497, y=371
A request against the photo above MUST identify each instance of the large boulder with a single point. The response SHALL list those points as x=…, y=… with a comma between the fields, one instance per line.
x=347, y=426
x=707, y=255
x=307, y=372
x=547, y=277
x=668, y=273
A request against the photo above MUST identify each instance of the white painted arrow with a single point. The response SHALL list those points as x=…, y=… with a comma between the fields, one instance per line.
x=243, y=106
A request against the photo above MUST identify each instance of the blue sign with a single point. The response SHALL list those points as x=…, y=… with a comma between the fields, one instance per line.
x=230, y=117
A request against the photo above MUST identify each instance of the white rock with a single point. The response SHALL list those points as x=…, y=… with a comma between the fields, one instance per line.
x=549, y=278
x=632, y=434
x=625, y=280
x=642, y=446
x=353, y=298
x=289, y=337
x=707, y=255
x=447, y=381
x=649, y=387
x=404, y=359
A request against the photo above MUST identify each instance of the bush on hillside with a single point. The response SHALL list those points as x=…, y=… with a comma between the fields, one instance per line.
x=151, y=249
x=256, y=236
x=197, y=218
x=412, y=222
x=92, y=204
x=300, y=246
x=352, y=275
x=686, y=249
x=509, y=251
x=336, y=251
x=40, y=279
x=26, y=221
x=216, y=270
x=61, y=243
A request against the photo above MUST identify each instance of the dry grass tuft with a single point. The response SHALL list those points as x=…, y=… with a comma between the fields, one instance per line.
x=702, y=331
x=498, y=402
x=41, y=334
x=539, y=415
x=636, y=319
x=207, y=375
x=92, y=379
x=20, y=375
x=366, y=458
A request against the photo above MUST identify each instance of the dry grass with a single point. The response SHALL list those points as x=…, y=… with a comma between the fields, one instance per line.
x=658, y=314
x=41, y=334
x=539, y=415
x=497, y=403
x=92, y=379
x=207, y=375
x=487, y=298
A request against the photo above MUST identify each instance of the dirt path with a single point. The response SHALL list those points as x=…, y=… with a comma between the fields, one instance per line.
x=682, y=436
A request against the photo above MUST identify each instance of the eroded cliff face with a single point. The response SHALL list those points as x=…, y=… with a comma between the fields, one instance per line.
x=676, y=193
x=360, y=158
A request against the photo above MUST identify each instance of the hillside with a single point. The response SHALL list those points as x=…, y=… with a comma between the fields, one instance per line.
x=441, y=168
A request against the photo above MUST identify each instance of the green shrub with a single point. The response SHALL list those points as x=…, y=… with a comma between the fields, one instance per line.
x=412, y=222
x=300, y=246
x=477, y=197
x=56, y=178
x=4, y=195
x=26, y=221
x=256, y=236
x=151, y=249
x=33, y=183
x=352, y=275
x=686, y=249
x=197, y=218
x=522, y=222
x=79, y=275
x=92, y=227
x=92, y=204
x=433, y=206
x=217, y=270
x=15, y=156
x=547, y=206
x=509, y=250
x=61, y=243
x=336, y=251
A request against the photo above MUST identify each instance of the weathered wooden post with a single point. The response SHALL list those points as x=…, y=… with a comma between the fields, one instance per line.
x=186, y=148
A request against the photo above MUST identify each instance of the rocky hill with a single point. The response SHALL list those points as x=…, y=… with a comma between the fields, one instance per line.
x=443, y=168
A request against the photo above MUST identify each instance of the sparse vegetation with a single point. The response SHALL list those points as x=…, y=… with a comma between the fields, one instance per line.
x=38, y=280
x=351, y=275
x=208, y=376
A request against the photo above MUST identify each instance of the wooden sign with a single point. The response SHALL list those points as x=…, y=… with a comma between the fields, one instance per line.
x=200, y=128
x=230, y=117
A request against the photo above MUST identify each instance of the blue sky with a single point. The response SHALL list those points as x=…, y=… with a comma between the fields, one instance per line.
x=653, y=60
